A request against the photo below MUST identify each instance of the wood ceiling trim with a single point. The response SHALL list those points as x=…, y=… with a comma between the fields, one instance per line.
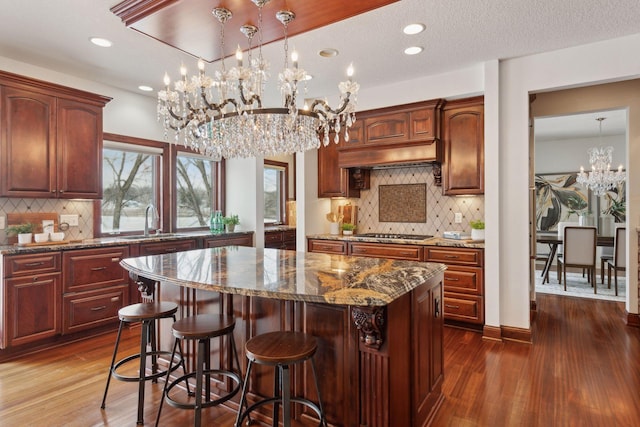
x=189, y=25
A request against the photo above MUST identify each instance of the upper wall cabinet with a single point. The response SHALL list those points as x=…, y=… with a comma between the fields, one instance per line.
x=463, y=147
x=334, y=181
x=50, y=140
x=394, y=135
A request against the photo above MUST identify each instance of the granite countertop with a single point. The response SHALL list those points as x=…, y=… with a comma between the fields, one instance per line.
x=111, y=241
x=287, y=275
x=433, y=241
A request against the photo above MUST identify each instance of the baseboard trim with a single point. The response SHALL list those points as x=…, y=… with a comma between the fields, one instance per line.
x=492, y=333
x=516, y=334
x=633, y=319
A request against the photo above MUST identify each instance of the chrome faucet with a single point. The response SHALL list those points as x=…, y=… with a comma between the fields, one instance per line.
x=156, y=216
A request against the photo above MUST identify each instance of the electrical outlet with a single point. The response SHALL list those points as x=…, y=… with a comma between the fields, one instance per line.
x=3, y=223
x=72, y=220
x=458, y=217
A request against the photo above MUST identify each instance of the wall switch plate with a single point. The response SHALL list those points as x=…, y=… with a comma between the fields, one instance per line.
x=72, y=220
x=457, y=217
x=3, y=222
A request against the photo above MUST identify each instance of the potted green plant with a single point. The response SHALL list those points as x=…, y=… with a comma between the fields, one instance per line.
x=230, y=222
x=23, y=231
x=477, y=229
x=348, y=228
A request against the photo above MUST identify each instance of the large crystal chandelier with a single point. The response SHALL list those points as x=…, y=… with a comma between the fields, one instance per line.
x=222, y=115
x=601, y=179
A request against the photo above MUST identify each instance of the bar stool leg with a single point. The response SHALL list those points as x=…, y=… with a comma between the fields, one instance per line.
x=285, y=384
x=113, y=361
x=243, y=398
x=315, y=379
x=199, y=369
x=143, y=370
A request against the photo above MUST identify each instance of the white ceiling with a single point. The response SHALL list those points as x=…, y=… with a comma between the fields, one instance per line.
x=460, y=33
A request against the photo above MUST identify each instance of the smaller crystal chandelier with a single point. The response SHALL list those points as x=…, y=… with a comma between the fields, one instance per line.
x=601, y=179
x=223, y=116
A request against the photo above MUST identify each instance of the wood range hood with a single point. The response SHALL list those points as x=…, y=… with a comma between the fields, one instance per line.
x=398, y=136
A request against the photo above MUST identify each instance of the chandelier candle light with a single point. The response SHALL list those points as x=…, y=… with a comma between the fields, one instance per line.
x=223, y=116
x=601, y=179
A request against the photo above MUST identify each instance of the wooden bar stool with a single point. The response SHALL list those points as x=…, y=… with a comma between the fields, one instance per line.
x=281, y=349
x=147, y=313
x=203, y=327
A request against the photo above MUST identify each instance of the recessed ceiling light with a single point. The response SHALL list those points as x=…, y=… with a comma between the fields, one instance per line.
x=414, y=29
x=145, y=88
x=413, y=50
x=328, y=53
x=99, y=41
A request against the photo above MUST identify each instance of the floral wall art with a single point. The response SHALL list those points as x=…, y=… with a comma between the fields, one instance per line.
x=559, y=198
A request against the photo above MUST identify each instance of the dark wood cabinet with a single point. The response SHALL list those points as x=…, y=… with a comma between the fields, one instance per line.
x=334, y=181
x=394, y=135
x=95, y=287
x=50, y=140
x=327, y=246
x=280, y=239
x=382, y=250
x=463, y=147
x=31, y=306
x=157, y=248
x=463, y=282
x=226, y=240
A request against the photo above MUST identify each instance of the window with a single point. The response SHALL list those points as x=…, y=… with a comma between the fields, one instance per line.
x=275, y=191
x=195, y=178
x=131, y=177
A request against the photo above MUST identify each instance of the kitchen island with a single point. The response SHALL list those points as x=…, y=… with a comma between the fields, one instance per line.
x=378, y=323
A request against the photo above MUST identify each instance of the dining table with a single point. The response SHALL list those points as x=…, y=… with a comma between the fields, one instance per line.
x=553, y=240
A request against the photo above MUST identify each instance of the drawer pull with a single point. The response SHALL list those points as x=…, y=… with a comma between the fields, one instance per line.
x=102, y=307
x=451, y=256
x=115, y=259
x=171, y=249
x=452, y=279
x=451, y=306
x=33, y=264
x=98, y=268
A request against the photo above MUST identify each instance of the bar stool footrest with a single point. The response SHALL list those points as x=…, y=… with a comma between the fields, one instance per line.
x=227, y=374
x=278, y=401
x=145, y=377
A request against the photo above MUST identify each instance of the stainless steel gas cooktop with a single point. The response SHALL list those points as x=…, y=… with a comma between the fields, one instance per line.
x=396, y=236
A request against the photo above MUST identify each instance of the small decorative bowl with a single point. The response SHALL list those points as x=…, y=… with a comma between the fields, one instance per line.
x=41, y=237
x=57, y=237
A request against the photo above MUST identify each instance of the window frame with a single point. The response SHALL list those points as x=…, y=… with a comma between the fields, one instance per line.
x=284, y=186
x=165, y=185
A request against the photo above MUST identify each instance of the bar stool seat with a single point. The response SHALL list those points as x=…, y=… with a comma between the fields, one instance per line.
x=147, y=313
x=281, y=349
x=203, y=328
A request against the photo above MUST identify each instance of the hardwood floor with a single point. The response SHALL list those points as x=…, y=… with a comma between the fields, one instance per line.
x=583, y=369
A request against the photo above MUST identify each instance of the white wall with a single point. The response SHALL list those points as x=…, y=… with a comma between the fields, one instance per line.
x=580, y=66
x=568, y=155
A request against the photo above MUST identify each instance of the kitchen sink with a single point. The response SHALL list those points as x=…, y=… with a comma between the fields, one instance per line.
x=152, y=236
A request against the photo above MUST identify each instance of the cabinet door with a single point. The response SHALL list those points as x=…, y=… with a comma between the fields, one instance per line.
x=79, y=148
x=333, y=181
x=32, y=309
x=463, y=163
x=27, y=138
x=387, y=128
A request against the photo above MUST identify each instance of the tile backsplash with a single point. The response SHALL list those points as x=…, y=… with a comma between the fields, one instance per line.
x=440, y=209
x=82, y=208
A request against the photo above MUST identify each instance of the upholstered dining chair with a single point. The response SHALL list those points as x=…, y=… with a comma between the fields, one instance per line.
x=579, y=251
x=619, y=261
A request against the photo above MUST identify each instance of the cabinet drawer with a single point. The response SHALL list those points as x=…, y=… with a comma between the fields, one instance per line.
x=273, y=237
x=90, y=309
x=166, y=247
x=21, y=265
x=328, y=246
x=467, y=280
x=456, y=256
x=464, y=308
x=244, y=240
x=289, y=235
x=406, y=252
x=84, y=270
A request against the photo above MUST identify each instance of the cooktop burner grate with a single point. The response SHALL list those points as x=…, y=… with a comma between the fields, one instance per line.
x=396, y=236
